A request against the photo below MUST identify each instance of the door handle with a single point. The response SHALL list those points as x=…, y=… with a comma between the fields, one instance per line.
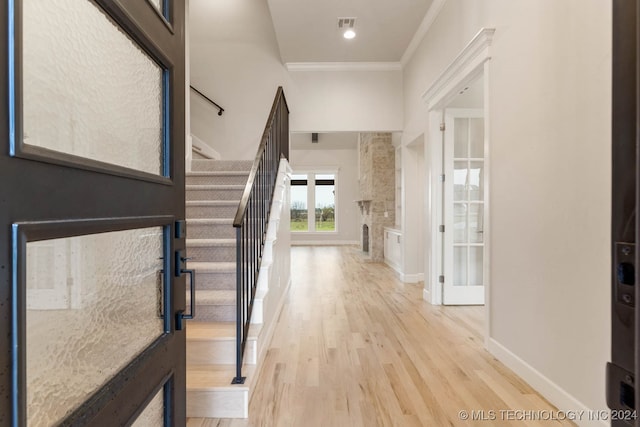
x=180, y=314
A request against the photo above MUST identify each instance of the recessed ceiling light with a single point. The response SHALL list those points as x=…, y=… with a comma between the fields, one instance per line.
x=347, y=26
x=349, y=34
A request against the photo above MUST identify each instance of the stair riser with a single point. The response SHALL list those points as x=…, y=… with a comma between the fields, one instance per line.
x=215, y=313
x=212, y=253
x=218, y=352
x=210, y=231
x=211, y=212
x=218, y=180
x=220, y=194
x=227, y=165
x=218, y=404
x=212, y=281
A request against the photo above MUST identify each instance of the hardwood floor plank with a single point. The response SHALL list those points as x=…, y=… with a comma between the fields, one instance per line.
x=353, y=346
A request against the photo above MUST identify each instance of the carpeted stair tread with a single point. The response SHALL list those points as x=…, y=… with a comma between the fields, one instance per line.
x=202, y=187
x=210, y=242
x=218, y=173
x=214, y=297
x=212, y=203
x=198, y=165
x=212, y=267
x=209, y=221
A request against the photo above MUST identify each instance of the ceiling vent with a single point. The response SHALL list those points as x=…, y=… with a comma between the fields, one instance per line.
x=346, y=23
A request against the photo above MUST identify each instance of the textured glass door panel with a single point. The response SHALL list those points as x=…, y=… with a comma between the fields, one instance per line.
x=89, y=90
x=113, y=284
x=153, y=414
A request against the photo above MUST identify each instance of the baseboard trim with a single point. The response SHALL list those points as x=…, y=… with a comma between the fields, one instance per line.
x=405, y=278
x=426, y=295
x=323, y=242
x=412, y=278
x=543, y=385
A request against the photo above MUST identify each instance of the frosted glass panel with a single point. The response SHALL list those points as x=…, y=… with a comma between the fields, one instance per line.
x=476, y=223
x=461, y=138
x=460, y=266
x=475, y=265
x=89, y=90
x=460, y=222
x=460, y=180
x=476, y=138
x=476, y=181
x=105, y=292
x=153, y=414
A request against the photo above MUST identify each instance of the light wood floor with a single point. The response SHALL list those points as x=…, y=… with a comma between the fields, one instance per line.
x=356, y=347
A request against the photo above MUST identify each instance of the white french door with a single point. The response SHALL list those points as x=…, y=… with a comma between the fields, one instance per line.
x=463, y=208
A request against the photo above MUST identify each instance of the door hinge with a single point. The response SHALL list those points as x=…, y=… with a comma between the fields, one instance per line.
x=442, y=228
x=441, y=279
x=442, y=178
x=443, y=127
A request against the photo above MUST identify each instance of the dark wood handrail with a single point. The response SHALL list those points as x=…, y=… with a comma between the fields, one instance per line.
x=220, y=109
x=242, y=208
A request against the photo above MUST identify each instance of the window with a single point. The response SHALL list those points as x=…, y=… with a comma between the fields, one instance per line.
x=299, y=211
x=313, y=202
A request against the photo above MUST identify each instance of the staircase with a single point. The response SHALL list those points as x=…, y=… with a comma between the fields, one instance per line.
x=213, y=193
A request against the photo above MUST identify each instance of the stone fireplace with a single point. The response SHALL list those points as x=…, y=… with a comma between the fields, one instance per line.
x=365, y=238
x=377, y=191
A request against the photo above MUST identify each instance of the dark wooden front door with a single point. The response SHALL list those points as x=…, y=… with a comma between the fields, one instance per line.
x=91, y=198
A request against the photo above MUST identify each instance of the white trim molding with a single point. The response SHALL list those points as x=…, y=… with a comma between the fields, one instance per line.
x=545, y=386
x=425, y=25
x=204, y=149
x=343, y=66
x=468, y=63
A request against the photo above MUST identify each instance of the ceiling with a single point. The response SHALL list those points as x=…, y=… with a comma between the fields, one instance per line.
x=307, y=29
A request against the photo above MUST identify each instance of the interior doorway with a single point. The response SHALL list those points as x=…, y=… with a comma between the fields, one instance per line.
x=461, y=90
x=463, y=202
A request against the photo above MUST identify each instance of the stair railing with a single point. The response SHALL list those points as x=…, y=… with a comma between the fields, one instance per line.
x=209, y=100
x=252, y=218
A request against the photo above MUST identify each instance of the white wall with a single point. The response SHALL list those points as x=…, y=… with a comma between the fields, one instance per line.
x=550, y=181
x=338, y=101
x=346, y=161
x=235, y=61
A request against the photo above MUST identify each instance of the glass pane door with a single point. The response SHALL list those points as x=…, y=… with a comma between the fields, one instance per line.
x=464, y=210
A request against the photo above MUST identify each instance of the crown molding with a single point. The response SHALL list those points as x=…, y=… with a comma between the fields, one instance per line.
x=468, y=63
x=425, y=25
x=343, y=66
